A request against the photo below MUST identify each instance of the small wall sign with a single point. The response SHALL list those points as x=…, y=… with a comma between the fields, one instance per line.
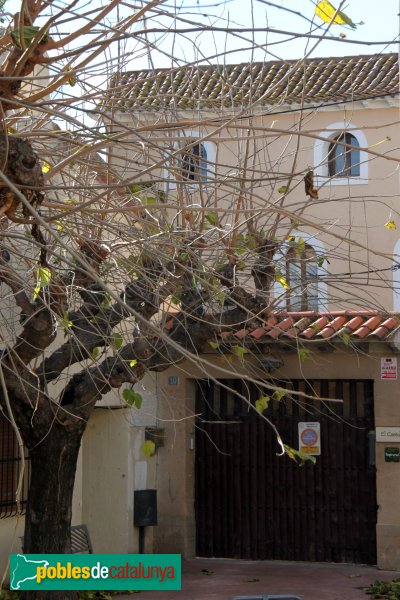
x=173, y=380
x=310, y=438
x=389, y=368
x=392, y=454
x=388, y=434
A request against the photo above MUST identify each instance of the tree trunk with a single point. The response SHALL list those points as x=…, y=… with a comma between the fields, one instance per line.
x=48, y=518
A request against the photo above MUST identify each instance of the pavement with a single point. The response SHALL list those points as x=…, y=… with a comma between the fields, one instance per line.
x=223, y=579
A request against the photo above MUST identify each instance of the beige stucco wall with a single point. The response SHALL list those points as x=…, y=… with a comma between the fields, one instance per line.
x=344, y=210
x=113, y=466
x=176, y=529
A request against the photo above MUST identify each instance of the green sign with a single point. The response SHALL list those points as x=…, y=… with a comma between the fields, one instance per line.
x=95, y=571
x=392, y=454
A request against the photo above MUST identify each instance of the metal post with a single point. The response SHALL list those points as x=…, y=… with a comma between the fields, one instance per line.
x=141, y=540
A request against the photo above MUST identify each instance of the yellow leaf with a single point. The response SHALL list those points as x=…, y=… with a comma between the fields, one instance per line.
x=390, y=224
x=262, y=404
x=325, y=11
x=46, y=167
x=280, y=279
x=148, y=448
x=43, y=279
x=72, y=80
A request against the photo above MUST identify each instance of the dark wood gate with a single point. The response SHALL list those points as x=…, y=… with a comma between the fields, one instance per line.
x=252, y=504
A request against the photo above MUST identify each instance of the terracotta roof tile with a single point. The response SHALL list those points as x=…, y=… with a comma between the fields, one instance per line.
x=276, y=330
x=315, y=327
x=384, y=328
x=322, y=327
x=260, y=331
x=215, y=86
x=368, y=326
x=332, y=327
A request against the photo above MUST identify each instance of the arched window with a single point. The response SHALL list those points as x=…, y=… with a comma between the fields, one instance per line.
x=336, y=164
x=301, y=277
x=343, y=161
x=195, y=163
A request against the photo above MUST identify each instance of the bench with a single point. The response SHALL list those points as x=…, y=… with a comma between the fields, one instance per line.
x=80, y=540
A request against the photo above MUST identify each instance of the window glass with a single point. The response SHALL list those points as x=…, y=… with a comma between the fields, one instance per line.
x=342, y=161
x=301, y=276
x=194, y=163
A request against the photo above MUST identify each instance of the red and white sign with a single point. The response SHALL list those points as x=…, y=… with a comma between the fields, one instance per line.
x=310, y=438
x=389, y=368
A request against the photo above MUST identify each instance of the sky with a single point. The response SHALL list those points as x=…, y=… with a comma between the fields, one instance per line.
x=380, y=24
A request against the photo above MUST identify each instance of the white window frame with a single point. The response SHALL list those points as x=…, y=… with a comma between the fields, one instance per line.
x=280, y=294
x=321, y=152
x=210, y=149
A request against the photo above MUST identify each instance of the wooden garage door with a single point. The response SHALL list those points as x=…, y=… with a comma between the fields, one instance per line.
x=252, y=504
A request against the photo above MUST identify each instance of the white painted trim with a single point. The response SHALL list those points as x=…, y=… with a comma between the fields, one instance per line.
x=280, y=261
x=321, y=149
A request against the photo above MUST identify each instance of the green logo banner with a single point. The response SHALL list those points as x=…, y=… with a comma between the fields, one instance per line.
x=95, y=571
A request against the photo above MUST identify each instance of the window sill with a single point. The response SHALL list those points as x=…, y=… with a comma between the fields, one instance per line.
x=335, y=181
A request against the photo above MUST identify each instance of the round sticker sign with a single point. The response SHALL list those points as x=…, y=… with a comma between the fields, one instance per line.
x=309, y=437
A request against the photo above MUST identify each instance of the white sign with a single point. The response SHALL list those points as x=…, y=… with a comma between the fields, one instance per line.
x=389, y=368
x=388, y=434
x=310, y=438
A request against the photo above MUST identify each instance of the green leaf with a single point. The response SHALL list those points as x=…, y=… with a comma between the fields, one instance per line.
x=282, y=189
x=212, y=218
x=262, y=404
x=117, y=340
x=240, y=351
x=301, y=245
x=148, y=448
x=279, y=394
x=44, y=276
x=304, y=354
x=220, y=297
x=29, y=33
x=213, y=345
x=148, y=201
x=132, y=363
x=345, y=338
x=43, y=279
x=95, y=353
x=65, y=322
x=298, y=456
x=132, y=398
x=106, y=302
